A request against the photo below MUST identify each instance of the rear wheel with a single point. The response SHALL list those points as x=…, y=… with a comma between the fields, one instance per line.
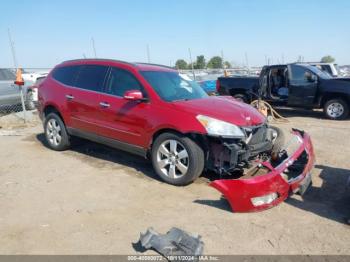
x=30, y=105
x=336, y=109
x=56, y=133
x=177, y=159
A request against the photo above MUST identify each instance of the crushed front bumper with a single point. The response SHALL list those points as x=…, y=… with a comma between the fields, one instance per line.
x=271, y=188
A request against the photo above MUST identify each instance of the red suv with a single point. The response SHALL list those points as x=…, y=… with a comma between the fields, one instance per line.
x=152, y=111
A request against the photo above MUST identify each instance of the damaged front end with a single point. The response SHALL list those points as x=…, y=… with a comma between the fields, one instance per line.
x=264, y=180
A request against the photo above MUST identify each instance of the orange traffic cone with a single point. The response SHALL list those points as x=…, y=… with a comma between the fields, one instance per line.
x=19, y=80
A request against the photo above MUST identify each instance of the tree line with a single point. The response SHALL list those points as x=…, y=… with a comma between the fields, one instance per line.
x=215, y=62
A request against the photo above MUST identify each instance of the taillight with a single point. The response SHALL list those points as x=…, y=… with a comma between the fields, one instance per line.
x=217, y=85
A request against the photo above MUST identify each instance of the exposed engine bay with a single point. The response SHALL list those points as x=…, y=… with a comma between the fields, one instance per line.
x=230, y=155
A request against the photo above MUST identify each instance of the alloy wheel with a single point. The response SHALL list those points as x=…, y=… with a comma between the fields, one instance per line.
x=172, y=159
x=335, y=110
x=53, y=131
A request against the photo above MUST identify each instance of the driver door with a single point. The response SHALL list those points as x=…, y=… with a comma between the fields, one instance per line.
x=122, y=119
x=302, y=86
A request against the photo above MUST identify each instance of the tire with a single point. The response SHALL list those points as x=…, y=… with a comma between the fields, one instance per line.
x=30, y=105
x=279, y=141
x=166, y=159
x=56, y=133
x=336, y=109
x=241, y=98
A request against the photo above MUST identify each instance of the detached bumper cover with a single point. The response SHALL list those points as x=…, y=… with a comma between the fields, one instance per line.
x=240, y=192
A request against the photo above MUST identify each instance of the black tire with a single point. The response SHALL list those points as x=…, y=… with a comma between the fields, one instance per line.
x=327, y=109
x=64, y=142
x=241, y=97
x=195, y=159
x=279, y=141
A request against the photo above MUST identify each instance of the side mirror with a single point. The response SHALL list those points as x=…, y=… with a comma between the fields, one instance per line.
x=134, y=95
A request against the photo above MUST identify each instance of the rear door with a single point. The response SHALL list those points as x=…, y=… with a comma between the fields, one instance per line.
x=9, y=92
x=123, y=119
x=302, y=86
x=83, y=98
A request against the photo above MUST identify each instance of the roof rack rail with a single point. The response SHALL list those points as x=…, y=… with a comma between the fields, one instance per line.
x=99, y=59
x=154, y=65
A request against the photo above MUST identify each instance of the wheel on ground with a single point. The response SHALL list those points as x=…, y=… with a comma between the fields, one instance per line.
x=30, y=105
x=336, y=109
x=241, y=98
x=177, y=159
x=56, y=133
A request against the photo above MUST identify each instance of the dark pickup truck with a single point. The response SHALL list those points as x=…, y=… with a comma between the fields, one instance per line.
x=295, y=85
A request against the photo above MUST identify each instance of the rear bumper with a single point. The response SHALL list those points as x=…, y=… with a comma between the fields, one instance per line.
x=241, y=192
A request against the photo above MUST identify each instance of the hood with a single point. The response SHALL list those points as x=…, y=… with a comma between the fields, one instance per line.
x=223, y=108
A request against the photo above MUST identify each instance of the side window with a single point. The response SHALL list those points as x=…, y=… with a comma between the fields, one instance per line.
x=300, y=75
x=120, y=81
x=66, y=75
x=91, y=77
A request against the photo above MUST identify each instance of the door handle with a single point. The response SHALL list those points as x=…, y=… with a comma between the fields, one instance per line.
x=69, y=97
x=105, y=105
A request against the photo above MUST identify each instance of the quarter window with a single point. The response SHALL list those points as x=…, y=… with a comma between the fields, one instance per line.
x=121, y=81
x=91, y=77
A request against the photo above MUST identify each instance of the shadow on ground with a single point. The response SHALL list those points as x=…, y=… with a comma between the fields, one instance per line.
x=101, y=152
x=332, y=199
x=299, y=112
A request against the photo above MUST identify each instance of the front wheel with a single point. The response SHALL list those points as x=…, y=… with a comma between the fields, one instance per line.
x=336, y=109
x=177, y=159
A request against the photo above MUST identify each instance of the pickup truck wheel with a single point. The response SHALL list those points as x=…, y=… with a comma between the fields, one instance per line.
x=177, y=159
x=55, y=133
x=336, y=109
x=241, y=98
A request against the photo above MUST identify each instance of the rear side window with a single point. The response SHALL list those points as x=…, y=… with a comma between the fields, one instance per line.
x=120, y=81
x=91, y=77
x=66, y=75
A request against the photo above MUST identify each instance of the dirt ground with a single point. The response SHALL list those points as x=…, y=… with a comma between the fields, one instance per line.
x=96, y=200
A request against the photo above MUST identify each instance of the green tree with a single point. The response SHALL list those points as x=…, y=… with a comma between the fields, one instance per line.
x=227, y=64
x=327, y=59
x=215, y=62
x=200, y=62
x=181, y=64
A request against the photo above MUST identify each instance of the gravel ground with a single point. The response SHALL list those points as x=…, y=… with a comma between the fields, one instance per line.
x=96, y=200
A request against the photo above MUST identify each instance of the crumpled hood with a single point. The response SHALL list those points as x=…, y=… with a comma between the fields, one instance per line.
x=224, y=108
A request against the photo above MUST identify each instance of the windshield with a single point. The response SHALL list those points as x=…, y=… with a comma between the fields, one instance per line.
x=170, y=86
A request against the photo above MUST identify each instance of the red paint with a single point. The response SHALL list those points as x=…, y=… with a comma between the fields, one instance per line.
x=239, y=192
x=133, y=95
x=136, y=122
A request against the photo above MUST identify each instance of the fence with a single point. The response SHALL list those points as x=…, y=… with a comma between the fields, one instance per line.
x=15, y=99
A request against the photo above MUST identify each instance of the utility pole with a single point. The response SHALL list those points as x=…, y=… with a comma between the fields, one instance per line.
x=246, y=62
x=148, y=54
x=93, y=46
x=12, y=45
x=222, y=57
x=189, y=51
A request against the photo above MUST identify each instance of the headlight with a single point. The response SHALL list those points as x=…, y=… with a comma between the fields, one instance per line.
x=217, y=127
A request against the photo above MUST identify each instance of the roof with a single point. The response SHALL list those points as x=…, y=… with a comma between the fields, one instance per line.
x=139, y=66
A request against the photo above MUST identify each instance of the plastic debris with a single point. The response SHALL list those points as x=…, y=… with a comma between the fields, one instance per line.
x=176, y=242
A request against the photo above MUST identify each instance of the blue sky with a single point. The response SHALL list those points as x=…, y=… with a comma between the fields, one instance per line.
x=48, y=32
